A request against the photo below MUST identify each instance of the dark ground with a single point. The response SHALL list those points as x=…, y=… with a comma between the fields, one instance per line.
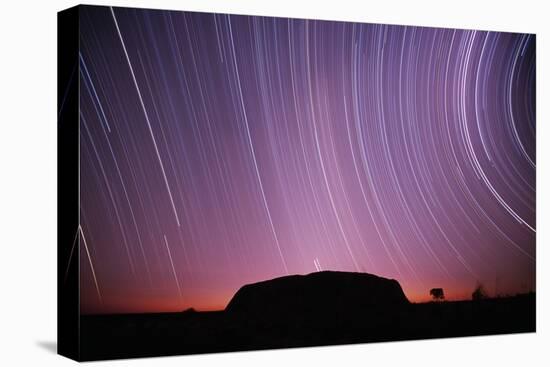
x=143, y=335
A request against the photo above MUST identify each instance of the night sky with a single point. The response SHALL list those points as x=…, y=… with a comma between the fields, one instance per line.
x=222, y=150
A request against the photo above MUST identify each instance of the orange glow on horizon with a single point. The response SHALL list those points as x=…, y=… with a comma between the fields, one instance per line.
x=218, y=303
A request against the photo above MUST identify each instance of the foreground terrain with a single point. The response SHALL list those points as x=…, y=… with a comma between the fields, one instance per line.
x=302, y=321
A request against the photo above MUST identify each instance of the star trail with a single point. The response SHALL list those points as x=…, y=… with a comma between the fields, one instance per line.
x=218, y=150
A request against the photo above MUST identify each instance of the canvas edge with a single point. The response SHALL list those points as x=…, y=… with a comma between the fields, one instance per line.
x=68, y=182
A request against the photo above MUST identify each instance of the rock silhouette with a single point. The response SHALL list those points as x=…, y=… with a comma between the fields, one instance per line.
x=327, y=293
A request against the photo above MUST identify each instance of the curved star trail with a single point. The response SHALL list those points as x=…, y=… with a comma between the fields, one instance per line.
x=220, y=150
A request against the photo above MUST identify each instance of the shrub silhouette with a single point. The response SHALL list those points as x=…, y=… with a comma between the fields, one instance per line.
x=479, y=293
x=437, y=294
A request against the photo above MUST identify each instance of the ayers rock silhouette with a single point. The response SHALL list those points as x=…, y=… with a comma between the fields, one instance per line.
x=326, y=293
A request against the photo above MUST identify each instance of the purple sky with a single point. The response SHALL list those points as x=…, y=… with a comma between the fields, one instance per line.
x=221, y=150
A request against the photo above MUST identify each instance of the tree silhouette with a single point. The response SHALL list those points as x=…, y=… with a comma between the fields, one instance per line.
x=437, y=294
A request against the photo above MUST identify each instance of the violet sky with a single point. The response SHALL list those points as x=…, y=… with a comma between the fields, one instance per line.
x=221, y=150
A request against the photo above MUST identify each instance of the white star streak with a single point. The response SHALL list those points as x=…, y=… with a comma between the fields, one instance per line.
x=471, y=150
x=317, y=264
x=146, y=117
x=252, y=151
x=319, y=155
x=85, y=68
x=91, y=262
x=172, y=264
x=75, y=241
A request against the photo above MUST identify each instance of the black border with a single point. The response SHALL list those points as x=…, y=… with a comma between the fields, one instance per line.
x=68, y=193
